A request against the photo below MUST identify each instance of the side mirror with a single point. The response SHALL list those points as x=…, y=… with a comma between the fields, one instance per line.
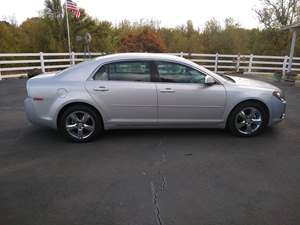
x=209, y=80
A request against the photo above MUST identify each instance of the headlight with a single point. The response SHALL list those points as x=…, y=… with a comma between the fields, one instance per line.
x=279, y=96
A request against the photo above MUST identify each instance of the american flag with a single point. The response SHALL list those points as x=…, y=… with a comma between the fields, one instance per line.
x=72, y=7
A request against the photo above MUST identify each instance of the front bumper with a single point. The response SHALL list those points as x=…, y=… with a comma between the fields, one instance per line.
x=278, y=111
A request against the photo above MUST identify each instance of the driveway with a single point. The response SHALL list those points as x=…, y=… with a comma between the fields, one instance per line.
x=201, y=177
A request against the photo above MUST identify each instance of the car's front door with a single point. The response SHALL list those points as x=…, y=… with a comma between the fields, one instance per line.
x=184, y=98
x=125, y=92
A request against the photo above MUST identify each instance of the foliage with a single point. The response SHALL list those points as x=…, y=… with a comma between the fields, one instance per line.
x=278, y=13
x=144, y=41
x=48, y=33
x=9, y=37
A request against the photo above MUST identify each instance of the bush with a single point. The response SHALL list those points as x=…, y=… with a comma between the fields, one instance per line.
x=34, y=72
x=145, y=41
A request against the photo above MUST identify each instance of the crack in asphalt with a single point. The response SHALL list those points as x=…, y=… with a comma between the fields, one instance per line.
x=158, y=189
x=155, y=198
x=156, y=192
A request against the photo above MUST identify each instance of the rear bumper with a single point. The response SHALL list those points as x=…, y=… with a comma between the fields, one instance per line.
x=30, y=111
x=34, y=115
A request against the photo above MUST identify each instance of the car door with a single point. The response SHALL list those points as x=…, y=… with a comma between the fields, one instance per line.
x=184, y=98
x=125, y=92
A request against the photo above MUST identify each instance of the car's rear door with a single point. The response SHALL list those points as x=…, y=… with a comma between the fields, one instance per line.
x=184, y=99
x=125, y=92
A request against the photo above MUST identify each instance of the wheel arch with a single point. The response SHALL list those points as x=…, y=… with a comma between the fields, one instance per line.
x=70, y=104
x=260, y=102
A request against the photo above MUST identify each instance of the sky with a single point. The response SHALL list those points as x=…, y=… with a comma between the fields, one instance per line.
x=170, y=13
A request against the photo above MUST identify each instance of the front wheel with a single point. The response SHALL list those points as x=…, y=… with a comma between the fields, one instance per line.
x=80, y=123
x=248, y=119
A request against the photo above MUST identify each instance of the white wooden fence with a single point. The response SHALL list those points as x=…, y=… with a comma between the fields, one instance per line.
x=19, y=64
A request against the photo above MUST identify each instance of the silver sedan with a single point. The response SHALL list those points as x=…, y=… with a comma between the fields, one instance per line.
x=140, y=90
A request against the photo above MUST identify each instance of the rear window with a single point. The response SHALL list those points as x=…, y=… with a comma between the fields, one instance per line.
x=74, y=67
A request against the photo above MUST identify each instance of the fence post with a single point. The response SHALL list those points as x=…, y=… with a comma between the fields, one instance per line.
x=216, y=62
x=238, y=61
x=284, y=66
x=73, y=58
x=250, y=63
x=42, y=62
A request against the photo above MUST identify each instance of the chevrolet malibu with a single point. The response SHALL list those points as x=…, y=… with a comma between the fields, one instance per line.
x=140, y=90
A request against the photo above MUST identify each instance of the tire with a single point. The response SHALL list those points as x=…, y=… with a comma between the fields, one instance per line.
x=80, y=123
x=248, y=119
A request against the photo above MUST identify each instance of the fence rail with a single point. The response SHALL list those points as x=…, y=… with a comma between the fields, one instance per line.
x=19, y=64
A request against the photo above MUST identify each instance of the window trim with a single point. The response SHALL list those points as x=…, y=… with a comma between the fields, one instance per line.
x=153, y=70
x=183, y=64
x=151, y=67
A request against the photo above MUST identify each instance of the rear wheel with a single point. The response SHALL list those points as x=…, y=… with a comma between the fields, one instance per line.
x=80, y=123
x=248, y=119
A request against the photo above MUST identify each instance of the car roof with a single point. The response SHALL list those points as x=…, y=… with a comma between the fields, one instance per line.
x=83, y=70
x=141, y=56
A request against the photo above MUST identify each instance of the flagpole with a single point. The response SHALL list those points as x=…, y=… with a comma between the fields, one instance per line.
x=68, y=29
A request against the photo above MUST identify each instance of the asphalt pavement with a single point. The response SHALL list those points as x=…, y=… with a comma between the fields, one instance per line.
x=141, y=177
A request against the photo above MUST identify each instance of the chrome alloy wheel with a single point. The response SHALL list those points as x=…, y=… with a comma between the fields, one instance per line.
x=80, y=125
x=248, y=120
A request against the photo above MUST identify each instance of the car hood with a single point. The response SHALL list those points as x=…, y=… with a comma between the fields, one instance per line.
x=253, y=83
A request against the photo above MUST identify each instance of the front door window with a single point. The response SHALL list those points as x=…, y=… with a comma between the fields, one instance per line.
x=176, y=73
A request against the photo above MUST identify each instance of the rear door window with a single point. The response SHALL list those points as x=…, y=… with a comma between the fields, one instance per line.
x=125, y=71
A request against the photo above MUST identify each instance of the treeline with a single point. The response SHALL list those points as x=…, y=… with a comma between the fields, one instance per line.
x=48, y=33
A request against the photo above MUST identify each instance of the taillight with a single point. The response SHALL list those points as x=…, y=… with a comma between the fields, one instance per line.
x=38, y=98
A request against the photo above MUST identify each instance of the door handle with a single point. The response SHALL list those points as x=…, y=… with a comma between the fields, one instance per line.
x=167, y=90
x=101, y=88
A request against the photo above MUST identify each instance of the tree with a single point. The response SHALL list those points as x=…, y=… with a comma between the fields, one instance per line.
x=278, y=13
x=9, y=37
x=212, y=38
x=53, y=16
x=48, y=33
x=104, y=38
x=234, y=38
x=270, y=42
x=230, y=23
x=145, y=41
x=191, y=38
x=55, y=19
x=33, y=32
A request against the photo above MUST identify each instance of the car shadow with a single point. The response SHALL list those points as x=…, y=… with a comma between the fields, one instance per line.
x=42, y=136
